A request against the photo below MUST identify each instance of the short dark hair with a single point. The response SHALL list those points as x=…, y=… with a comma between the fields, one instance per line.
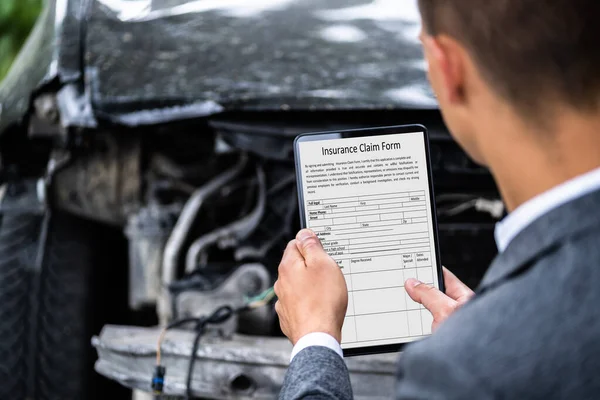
x=530, y=51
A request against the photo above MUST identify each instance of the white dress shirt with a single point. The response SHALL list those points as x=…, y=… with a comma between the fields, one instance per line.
x=519, y=219
x=505, y=232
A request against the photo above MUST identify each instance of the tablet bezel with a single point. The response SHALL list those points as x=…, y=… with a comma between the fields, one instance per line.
x=357, y=133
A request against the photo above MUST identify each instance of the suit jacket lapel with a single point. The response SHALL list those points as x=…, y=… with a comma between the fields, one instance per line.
x=541, y=236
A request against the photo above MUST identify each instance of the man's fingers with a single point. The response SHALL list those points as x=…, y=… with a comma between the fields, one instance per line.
x=431, y=298
x=291, y=259
x=455, y=289
x=291, y=254
x=309, y=245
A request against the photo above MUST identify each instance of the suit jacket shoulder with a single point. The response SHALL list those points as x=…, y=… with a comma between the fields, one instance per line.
x=534, y=334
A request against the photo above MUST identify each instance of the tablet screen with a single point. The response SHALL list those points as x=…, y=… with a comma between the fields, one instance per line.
x=369, y=200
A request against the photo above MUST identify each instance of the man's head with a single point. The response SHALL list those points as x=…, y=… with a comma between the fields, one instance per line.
x=522, y=59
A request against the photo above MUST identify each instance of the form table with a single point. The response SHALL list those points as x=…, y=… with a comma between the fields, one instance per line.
x=378, y=241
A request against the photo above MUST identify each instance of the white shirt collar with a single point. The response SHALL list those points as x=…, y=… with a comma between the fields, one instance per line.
x=519, y=219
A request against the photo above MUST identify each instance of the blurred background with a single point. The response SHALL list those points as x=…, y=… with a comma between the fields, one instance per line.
x=16, y=21
x=147, y=179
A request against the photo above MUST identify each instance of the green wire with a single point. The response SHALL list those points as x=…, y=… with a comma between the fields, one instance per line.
x=260, y=297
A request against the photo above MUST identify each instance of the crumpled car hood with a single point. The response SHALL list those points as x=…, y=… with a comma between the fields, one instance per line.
x=151, y=61
x=262, y=54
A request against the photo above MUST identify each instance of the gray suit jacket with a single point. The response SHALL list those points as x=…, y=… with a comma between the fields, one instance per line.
x=531, y=332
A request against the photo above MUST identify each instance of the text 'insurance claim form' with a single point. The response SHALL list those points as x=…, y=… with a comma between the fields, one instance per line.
x=368, y=200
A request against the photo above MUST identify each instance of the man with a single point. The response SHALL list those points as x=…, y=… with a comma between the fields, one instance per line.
x=518, y=82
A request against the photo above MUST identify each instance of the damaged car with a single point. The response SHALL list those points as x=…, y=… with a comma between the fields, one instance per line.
x=148, y=185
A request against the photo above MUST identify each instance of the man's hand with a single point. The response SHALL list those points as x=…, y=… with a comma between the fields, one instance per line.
x=311, y=290
x=439, y=304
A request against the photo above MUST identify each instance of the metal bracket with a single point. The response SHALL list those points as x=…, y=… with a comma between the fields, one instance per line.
x=247, y=280
x=243, y=367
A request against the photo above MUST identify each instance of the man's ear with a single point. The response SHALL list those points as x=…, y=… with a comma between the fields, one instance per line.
x=446, y=68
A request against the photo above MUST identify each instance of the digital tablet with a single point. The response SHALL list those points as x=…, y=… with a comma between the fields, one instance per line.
x=368, y=195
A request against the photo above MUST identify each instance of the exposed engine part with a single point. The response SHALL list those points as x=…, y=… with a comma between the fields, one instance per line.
x=46, y=107
x=495, y=208
x=243, y=367
x=230, y=235
x=270, y=147
x=167, y=167
x=75, y=106
x=180, y=233
x=148, y=231
x=285, y=231
x=103, y=183
x=277, y=227
x=21, y=198
x=194, y=297
x=45, y=121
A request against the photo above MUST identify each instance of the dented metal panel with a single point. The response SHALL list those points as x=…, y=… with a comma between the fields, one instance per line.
x=260, y=55
x=141, y=62
x=127, y=355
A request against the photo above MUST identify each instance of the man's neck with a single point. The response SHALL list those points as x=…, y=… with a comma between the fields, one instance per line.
x=532, y=161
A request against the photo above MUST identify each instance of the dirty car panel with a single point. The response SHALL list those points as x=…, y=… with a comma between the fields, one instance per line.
x=203, y=57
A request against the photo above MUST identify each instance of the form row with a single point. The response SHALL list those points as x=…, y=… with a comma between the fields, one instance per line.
x=369, y=230
x=370, y=258
x=366, y=210
x=319, y=205
x=383, y=215
x=332, y=248
x=367, y=240
x=406, y=260
x=395, y=325
x=387, y=278
x=379, y=196
x=356, y=306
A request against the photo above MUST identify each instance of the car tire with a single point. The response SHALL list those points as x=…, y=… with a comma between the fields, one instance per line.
x=18, y=247
x=45, y=323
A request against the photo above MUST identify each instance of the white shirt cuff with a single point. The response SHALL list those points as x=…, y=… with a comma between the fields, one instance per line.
x=317, y=339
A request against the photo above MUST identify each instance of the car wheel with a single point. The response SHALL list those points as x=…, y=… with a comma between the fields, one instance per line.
x=45, y=324
x=18, y=245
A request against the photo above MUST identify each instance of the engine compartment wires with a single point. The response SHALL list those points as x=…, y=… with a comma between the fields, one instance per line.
x=494, y=207
x=261, y=300
x=219, y=316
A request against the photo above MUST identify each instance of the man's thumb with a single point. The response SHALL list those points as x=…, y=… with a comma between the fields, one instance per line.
x=431, y=298
x=309, y=244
